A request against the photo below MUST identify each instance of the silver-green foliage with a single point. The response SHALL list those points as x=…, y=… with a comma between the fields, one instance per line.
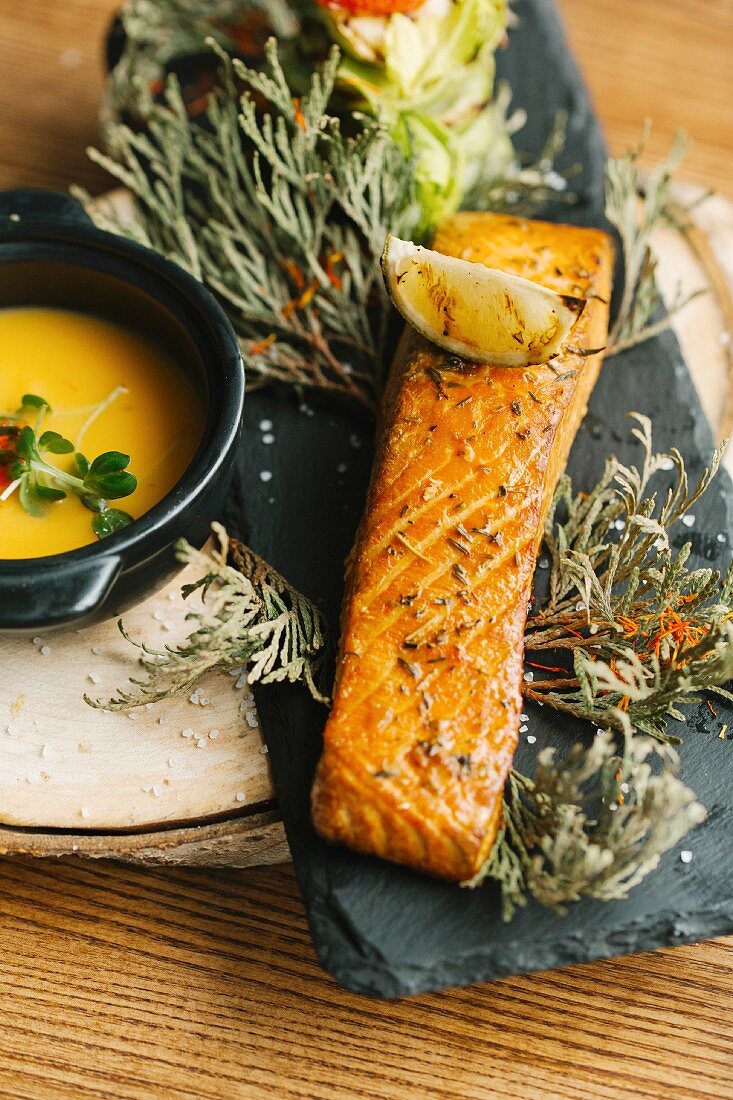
x=593, y=825
x=647, y=635
x=278, y=212
x=638, y=204
x=251, y=618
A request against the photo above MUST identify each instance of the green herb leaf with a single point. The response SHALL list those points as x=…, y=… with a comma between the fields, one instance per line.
x=111, y=486
x=26, y=447
x=30, y=500
x=108, y=478
x=42, y=483
x=109, y=463
x=55, y=443
x=48, y=493
x=33, y=401
x=109, y=521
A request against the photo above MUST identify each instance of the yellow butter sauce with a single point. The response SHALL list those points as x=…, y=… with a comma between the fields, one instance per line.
x=79, y=363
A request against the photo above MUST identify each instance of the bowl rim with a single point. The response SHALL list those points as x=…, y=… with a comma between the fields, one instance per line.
x=217, y=437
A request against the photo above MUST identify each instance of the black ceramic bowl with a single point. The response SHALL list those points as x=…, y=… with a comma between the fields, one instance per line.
x=52, y=255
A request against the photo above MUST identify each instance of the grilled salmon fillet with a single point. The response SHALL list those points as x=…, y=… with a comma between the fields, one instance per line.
x=427, y=700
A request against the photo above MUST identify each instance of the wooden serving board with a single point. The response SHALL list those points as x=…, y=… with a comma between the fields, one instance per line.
x=181, y=782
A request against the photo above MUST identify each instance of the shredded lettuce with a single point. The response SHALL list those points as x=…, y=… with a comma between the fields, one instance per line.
x=432, y=84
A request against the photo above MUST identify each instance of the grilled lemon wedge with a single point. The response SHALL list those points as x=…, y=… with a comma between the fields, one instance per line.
x=482, y=314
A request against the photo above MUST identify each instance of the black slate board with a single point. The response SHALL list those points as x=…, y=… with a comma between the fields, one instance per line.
x=383, y=930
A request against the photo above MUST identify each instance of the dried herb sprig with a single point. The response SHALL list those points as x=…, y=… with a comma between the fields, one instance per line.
x=521, y=186
x=278, y=213
x=252, y=617
x=158, y=33
x=637, y=205
x=593, y=825
x=643, y=634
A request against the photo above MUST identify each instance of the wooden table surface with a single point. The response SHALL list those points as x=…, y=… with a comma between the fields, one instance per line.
x=119, y=982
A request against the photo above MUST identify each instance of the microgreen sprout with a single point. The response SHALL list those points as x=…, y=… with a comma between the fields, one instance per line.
x=40, y=484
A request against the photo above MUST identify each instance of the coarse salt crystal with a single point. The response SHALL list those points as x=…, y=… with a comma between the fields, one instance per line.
x=720, y=537
x=159, y=615
x=251, y=719
x=45, y=650
x=686, y=855
x=93, y=678
x=157, y=790
x=71, y=58
x=531, y=739
x=84, y=811
x=265, y=475
x=341, y=468
x=188, y=732
x=201, y=743
x=528, y=677
x=96, y=650
x=240, y=796
x=36, y=641
x=688, y=520
x=265, y=425
x=213, y=734
x=268, y=438
x=666, y=463
x=132, y=716
x=264, y=749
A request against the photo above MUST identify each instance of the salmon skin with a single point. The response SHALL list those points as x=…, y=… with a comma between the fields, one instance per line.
x=427, y=701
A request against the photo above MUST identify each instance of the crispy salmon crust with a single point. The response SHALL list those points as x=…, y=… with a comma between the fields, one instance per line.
x=427, y=701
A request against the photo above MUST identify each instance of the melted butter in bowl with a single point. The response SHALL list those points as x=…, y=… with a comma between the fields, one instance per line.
x=109, y=390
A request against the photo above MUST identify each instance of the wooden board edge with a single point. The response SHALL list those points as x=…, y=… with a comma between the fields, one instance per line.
x=249, y=841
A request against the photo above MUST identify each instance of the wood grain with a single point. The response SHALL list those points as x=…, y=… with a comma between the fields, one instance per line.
x=120, y=982
x=122, y=771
